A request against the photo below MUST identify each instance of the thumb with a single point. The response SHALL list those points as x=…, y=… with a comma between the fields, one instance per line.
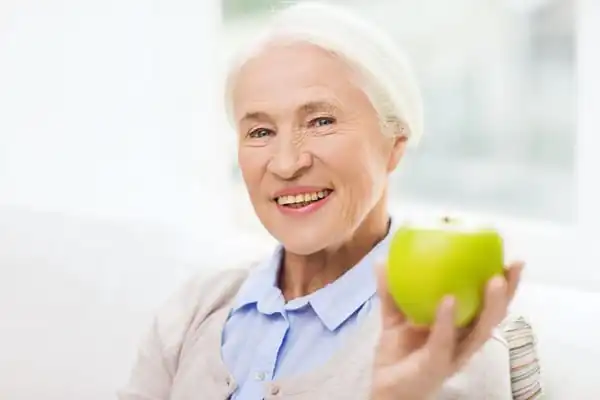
x=391, y=315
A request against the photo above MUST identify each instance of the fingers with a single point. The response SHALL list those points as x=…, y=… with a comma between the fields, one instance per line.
x=513, y=277
x=390, y=313
x=495, y=304
x=444, y=344
x=498, y=296
x=444, y=334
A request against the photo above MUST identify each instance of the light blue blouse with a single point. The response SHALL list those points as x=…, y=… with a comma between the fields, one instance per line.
x=266, y=339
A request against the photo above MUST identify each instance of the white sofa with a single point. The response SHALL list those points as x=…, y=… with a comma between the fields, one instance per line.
x=76, y=294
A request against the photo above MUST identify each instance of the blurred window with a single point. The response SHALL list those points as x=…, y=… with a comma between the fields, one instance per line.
x=498, y=79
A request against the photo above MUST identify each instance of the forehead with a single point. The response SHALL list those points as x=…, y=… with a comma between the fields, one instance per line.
x=294, y=74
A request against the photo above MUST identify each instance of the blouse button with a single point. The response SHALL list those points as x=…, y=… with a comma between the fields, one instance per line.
x=274, y=390
x=260, y=376
x=228, y=381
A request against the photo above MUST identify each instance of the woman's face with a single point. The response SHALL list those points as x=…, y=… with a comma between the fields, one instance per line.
x=311, y=150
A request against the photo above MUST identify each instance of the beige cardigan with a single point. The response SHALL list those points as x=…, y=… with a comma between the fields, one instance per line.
x=180, y=359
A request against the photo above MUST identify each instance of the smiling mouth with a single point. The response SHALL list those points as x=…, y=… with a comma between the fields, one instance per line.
x=302, y=199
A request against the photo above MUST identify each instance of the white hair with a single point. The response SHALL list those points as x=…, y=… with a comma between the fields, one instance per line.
x=387, y=76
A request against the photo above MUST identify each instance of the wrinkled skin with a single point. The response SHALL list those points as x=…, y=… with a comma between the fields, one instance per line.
x=303, y=120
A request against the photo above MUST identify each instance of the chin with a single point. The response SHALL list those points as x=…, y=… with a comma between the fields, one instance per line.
x=302, y=244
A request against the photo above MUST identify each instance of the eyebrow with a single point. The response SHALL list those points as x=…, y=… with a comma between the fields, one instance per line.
x=316, y=106
x=256, y=116
x=306, y=108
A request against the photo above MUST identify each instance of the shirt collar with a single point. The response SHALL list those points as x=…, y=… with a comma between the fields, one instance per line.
x=260, y=287
x=333, y=304
x=338, y=301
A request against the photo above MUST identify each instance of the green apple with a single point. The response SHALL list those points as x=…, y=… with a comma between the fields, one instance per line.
x=448, y=257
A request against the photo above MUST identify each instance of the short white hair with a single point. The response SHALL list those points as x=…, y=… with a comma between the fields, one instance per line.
x=388, y=79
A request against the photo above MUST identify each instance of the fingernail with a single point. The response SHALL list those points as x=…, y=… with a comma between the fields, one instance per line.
x=497, y=282
x=517, y=265
x=448, y=302
x=519, y=269
x=446, y=310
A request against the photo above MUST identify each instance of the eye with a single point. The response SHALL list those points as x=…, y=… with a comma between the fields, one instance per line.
x=260, y=133
x=322, y=121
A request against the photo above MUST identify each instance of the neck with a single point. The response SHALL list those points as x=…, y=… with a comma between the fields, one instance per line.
x=304, y=274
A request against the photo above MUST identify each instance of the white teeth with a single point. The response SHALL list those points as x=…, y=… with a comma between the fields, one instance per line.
x=281, y=200
x=302, y=198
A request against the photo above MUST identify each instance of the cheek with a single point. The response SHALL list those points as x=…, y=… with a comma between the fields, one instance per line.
x=251, y=165
x=354, y=159
x=358, y=170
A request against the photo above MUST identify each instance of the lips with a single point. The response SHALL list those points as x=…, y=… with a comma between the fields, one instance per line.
x=302, y=200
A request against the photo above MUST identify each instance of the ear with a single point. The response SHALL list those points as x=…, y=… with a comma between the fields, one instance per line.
x=398, y=147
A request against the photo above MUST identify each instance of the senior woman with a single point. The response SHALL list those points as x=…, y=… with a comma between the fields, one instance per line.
x=324, y=106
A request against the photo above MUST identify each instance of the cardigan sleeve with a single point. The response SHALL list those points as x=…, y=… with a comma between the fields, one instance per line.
x=151, y=376
x=157, y=363
x=157, y=359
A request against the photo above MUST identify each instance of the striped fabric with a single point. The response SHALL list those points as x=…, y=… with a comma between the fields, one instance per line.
x=525, y=367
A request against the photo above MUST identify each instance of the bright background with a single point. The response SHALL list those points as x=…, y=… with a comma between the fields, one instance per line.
x=115, y=158
x=504, y=141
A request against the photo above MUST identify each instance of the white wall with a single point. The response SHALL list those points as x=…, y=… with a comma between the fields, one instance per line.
x=588, y=144
x=109, y=108
x=111, y=175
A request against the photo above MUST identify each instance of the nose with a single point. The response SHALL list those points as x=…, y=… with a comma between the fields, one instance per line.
x=289, y=159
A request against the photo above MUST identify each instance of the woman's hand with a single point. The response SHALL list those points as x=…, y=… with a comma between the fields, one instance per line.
x=413, y=363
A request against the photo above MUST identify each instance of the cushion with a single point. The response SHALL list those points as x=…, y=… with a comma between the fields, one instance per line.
x=525, y=368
